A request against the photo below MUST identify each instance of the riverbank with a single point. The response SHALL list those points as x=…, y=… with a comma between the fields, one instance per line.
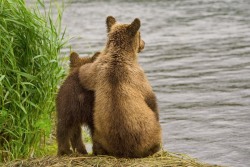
x=162, y=158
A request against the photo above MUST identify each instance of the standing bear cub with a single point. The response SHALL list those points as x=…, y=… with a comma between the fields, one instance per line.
x=125, y=110
x=74, y=106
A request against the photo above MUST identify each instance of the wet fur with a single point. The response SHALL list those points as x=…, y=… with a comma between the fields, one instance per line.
x=126, y=120
x=74, y=106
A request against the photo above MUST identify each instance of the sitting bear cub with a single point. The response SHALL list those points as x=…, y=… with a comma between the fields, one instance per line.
x=125, y=110
x=74, y=106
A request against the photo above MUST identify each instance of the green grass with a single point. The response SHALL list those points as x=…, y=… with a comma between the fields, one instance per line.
x=30, y=43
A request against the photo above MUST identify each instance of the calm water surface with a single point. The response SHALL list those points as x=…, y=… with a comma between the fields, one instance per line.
x=197, y=58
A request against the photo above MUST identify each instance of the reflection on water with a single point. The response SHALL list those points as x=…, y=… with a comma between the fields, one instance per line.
x=197, y=58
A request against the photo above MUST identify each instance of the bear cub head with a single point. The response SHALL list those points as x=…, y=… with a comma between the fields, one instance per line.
x=76, y=61
x=124, y=36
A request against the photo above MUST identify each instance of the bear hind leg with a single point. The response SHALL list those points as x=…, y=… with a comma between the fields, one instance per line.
x=154, y=149
x=76, y=140
x=98, y=149
x=62, y=136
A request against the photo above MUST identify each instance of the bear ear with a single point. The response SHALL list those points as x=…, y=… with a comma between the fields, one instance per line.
x=134, y=27
x=110, y=21
x=94, y=57
x=74, y=57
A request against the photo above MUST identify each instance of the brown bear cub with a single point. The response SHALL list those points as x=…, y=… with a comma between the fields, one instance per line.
x=74, y=106
x=125, y=110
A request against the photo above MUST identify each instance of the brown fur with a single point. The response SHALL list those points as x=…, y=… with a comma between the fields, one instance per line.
x=125, y=110
x=74, y=106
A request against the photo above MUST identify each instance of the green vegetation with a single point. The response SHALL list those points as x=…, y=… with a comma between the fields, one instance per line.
x=30, y=42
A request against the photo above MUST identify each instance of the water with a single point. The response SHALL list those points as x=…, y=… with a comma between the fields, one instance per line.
x=197, y=58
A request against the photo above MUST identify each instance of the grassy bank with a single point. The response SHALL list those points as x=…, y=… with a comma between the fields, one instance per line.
x=30, y=43
x=160, y=159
